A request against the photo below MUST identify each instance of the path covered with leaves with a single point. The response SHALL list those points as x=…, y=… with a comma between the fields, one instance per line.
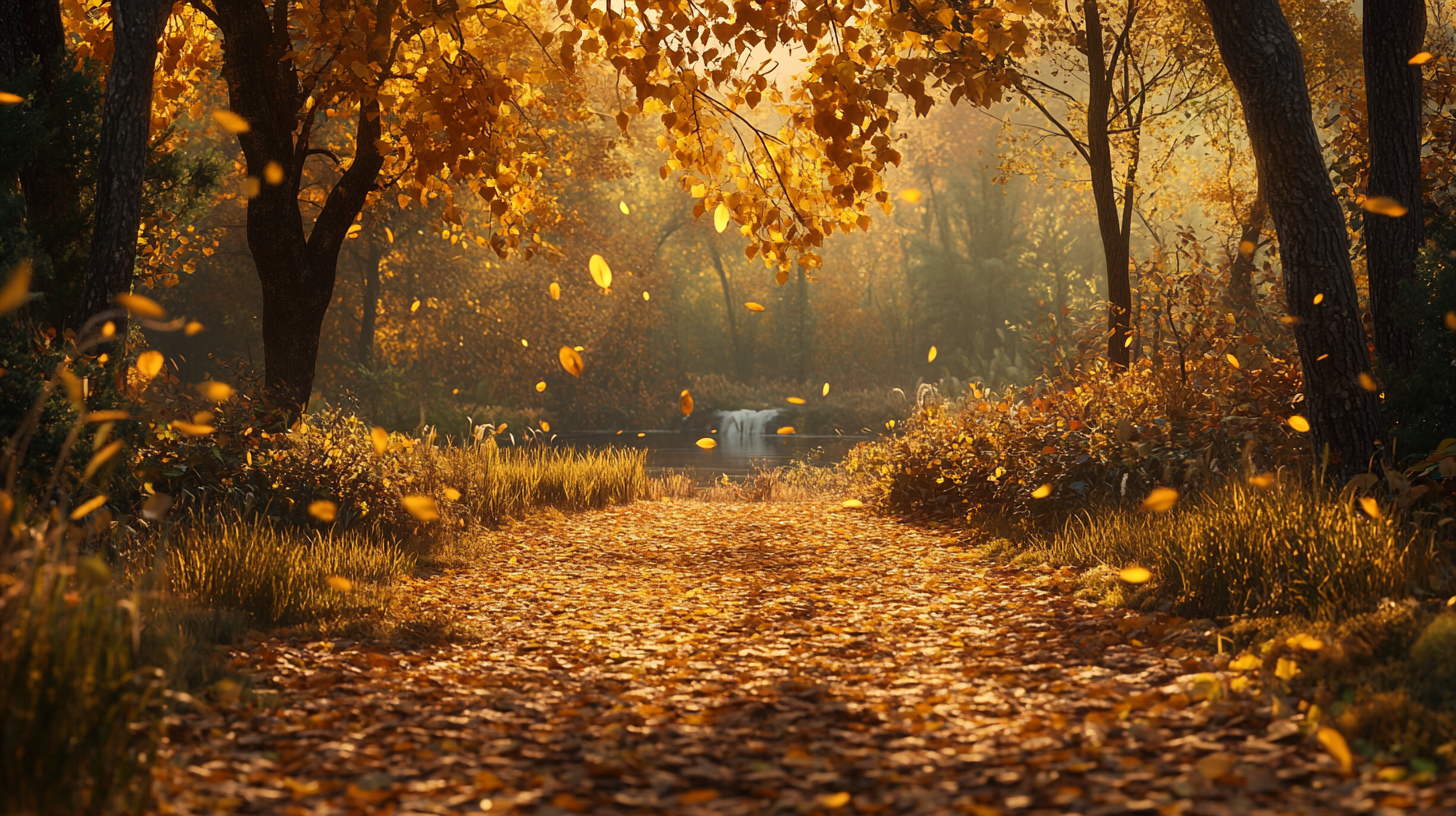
x=735, y=659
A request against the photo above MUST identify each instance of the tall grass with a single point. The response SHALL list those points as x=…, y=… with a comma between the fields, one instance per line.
x=496, y=484
x=1291, y=549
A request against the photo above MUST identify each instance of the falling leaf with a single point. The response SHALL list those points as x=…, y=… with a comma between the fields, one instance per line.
x=640, y=435
x=555, y=290
x=706, y=444
x=600, y=272
x=753, y=307
x=1232, y=360
x=423, y=508
x=795, y=400
x=825, y=392
x=524, y=343
x=1334, y=743
x=149, y=364
x=1319, y=298
x=86, y=508
x=834, y=800
x=380, y=438
x=1042, y=492
x=231, y=122
x=1451, y=321
x=571, y=361
x=339, y=583
x=215, y=391
x=1263, y=481
x=100, y=458
x=273, y=174
x=8, y=98
x=1384, y=205
x=930, y=358
x=193, y=328
x=545, y=426
x=622, y=205
x=785, y=430
x=191, y=428
x=851, y=504
x=325, y=511
x=17, y=289
x=415, y=307
x=1370, y=506
x=541, y=386
x=647, y=296
x=1421, y=58
x=1367, y=382
x=1246, y=249
x=910, y=195
x=1161, y=500
x=685, y=403
x=389, y=234
x=1298, y=423
x=141, y=306
x=108, y=330
x=721, y=216
x=1135, y=575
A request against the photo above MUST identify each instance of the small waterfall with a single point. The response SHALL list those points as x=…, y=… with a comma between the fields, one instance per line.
x=745, y=428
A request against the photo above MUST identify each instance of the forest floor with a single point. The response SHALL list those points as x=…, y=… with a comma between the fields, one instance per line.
x=769, y=658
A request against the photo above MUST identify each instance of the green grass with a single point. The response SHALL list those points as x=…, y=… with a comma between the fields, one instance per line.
x=1287, y=550
x=497, y=484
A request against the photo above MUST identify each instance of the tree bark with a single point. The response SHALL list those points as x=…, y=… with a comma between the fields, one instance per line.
x=1241, y=275
x=1394, y=31
x=296, y=267
x=1263, y=60
x=1110, y=221
x=122, y=161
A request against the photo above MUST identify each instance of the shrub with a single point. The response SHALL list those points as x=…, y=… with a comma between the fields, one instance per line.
x=1433, y=662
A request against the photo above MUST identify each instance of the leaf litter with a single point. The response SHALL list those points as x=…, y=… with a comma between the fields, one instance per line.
x=735, y=659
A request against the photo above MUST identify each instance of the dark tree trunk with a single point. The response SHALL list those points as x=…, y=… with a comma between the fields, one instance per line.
x=1393, y=33
x=1110, y=222
x=369, y=317
x=1241, y=275
x=1263, y=60
x=729, y=313
x=297, y=267
x=122, y=164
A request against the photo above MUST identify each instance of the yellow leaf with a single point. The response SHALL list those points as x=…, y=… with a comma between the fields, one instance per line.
x=1042, y=492
x=910, y=196
x=698, y=191
x=1160, y=500
x=753, y=307
x=1246, y=662
x=339, y=583
x=149, y=364
x=600, y=272
x=622, y=205
x=571, y=361
x=721, y=216
x=825, y=392
x=930, y=358
x=17, y=289
x=85, y=509
x=325, y=511
x=555, y=290
x=697, y=797
x=380, y=438
x=541, y=386
x=1263, y=481
x=512, y=6
x=850, y=504
x=231, y=122
x=785, y=430
x=215, y=391
x=1286, y=669
x=1384, y=205
x=191, y=428
x=1367, y=382
x=141, y=306
x=423, y=508
x=1232, y=360
x=1135, y=575
x=1370, y=506
x=273, y=174
x=834, y=800
x=1305, y=642
x=8, y=98
x=1421, y=58
x=1319, y=298
x=525, y=343
x=415, y=307
x=389, y=234
x=1451, y=321
x=100, y=458
x=796, y=400
x=192, y=328
x=1246, y=249
x=1299, y=423
x=707, y=444
x=545, y=426
x=647, y=296
x=685, y=403
x=452, y=494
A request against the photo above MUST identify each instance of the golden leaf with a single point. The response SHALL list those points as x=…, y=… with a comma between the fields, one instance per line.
x=1042, y=492
x=541, y=386
x=231, y=122
x=1286, y=669
x=1319, y=298
x=1135, y=575
x=17, y=289
x=1451, y=321
x=108, y=330
x=622, y=205
x=930, y=358
x=785, y=430
x=452, y=494
x=339, y=583
x=1246, y=249
x=149, y=364
x=191, y=428
x=1367, y=382
x=325, y=511
x=571, y=361
x=1232, y=360
x=685, y=402
x=721, y=217
x=851, y=504
x=1334, y=743
x=647, y=296
x=415, y=307
x=525, y=343
x=825, y=392
x=1370, y=506
x=8, y=98
x=910, y=196
x=1305, y=642
x=795, y=400
x=193, y=328
x=555, y=290
x=1161, y=500
x=100, y=458
x=1246, y=662
x=600, y=272
x=423, y=508
x=1384, y=205
x=90, y=505
x=1421, y=58
x=215, y=391
x=141, y=306
x=545, y=426
x=1263, y=481
x=834, y=800
x=753, y=307
x=389, y=234
x=273, y=174
x=1298, y=423
x=380, y=438
x=706, y=444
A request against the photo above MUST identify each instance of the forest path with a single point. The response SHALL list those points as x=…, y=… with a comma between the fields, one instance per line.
x=733, y=659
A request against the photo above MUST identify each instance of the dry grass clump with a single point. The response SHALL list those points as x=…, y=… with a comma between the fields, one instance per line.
x=792, y=483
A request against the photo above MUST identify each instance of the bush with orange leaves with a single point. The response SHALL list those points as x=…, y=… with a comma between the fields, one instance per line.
x=1088, y=432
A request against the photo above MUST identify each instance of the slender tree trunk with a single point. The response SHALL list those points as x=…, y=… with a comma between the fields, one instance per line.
x=801, y=356
x=729, y=313
x=1099, y=161
x=1394, y=31
x=1263, y=60
x=122, y=164
x=1241, y=273
x=368, y=317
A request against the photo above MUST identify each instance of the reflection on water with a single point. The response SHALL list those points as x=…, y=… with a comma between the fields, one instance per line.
x=735, y=454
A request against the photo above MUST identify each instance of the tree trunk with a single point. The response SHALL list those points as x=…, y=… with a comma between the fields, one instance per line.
x=368, y=317
x=729, y=313
x=1394, y=31
x=1263, y=60
x=1104, y=194
x=1241, y=274
x=801, y=356
x=122, y=162
x=297, y=268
